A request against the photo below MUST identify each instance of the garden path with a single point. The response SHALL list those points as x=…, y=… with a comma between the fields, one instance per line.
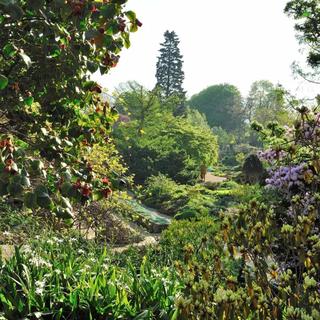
x=214, y=179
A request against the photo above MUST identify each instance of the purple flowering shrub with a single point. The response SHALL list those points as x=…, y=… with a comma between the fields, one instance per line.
x=268, y=266
x=288, y=179
x=271, y=156
x=277, y=239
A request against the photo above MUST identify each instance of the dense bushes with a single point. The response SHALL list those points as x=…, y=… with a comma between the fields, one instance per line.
x=171, y=198
x=155, y=141
x=198, y=233
x=273, y=240
x=233, y=251
x=186, y=201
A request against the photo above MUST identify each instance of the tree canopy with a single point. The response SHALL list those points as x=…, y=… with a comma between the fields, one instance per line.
x=266, y=102
x=221, y=104
x=138, y=103
x=307, y=16
x=154, y=141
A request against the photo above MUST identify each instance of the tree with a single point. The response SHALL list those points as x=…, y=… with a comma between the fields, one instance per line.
x=196, y=118
x=169, y=72
x=266, y=102
x=222, y=105
x=51, y=112
x=170, y=145
x=137, y=102
x=307, y=14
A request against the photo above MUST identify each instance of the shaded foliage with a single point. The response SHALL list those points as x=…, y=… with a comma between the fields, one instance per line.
x=222, y=105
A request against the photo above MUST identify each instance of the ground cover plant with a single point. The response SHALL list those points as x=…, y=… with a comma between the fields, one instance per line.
x=66, y=278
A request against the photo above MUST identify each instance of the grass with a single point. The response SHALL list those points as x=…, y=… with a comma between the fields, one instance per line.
x=64, y=278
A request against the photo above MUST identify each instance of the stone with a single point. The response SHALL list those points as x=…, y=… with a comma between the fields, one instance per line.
x=253, y=171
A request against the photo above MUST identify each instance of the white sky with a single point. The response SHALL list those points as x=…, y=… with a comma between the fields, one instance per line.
x=222, y=41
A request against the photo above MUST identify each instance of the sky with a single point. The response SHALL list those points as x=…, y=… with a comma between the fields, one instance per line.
x=222, y=41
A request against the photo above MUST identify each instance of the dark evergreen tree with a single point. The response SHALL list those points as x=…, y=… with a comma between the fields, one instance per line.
x=169, y=73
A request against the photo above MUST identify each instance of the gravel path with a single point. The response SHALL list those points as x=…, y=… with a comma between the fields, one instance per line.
x=212, y=178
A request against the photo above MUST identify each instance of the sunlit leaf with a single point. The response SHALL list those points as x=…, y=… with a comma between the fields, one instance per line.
x=26, y=59
x=29, y=101
x=9, y=50
x=3, y=81
x=131, y=16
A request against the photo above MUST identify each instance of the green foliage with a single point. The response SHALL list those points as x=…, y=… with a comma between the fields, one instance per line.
x=266, y=102
x=63, y=278
x=51, y=113
x=306, y=14
x=168, y=145
x=185, y=201
x=173, y=199
x=196, y=118
x=222, y=105
x=107, y=163
x=199, y=257
x=17, y=226
x=226, y=142
x=271, y=241
x=174, y=240
x=138, y=103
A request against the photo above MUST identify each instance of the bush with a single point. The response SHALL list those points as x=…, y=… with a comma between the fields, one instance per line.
x=197, y=233
x=272, y=241
x=163, y=193
x=184, y=201
x=51, y=112
x=171, y=198
x=196, y=248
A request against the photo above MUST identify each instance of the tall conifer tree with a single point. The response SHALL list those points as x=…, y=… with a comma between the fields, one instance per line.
x=169, y=72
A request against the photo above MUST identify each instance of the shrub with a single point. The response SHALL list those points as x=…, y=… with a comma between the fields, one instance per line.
x=171, y=198
x=51, y=112
x=199, y=233
x=184, y=201
x=273, y=240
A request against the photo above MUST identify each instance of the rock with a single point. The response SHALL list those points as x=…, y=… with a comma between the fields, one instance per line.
x=142, y=245
x=253, y=170
x=6, y=251
x=157, y=227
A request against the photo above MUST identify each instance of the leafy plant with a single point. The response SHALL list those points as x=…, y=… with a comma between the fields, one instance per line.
x=63, y=278
x=48, y=103
x=158, y=142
